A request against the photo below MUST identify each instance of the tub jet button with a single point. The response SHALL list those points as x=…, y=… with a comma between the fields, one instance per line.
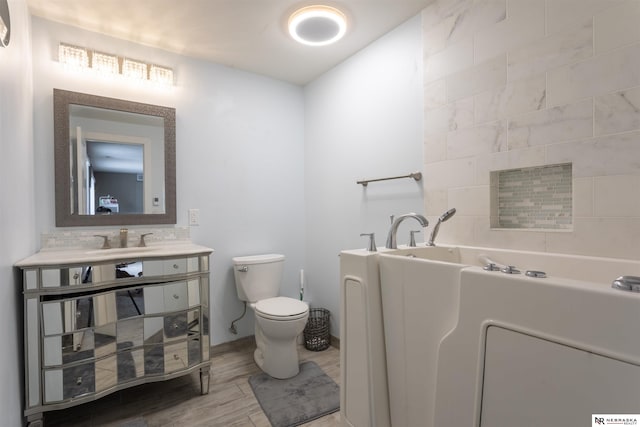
x=510, y=269
x=534, y=273
x=491, y=267
x=627, y=283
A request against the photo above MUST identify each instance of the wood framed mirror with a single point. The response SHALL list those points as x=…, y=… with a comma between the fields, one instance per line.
x=115, y=161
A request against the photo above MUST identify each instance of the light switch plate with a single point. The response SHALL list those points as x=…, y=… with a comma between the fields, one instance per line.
x=194, y=216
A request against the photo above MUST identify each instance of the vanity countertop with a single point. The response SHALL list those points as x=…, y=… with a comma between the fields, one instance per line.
x=89, y=255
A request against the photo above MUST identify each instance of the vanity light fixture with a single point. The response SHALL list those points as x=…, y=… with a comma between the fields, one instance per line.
x=105, y=63
x=73, y=56
x=108, y=64
x=161, y=75
x=317, y=25
x=133, y=69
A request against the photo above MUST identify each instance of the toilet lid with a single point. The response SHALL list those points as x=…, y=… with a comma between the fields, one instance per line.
x=281, y=307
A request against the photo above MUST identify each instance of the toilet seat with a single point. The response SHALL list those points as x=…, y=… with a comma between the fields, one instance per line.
x=281, y=308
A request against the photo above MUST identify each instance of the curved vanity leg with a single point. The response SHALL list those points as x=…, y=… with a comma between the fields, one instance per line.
x=35, y=420
x=204, y=380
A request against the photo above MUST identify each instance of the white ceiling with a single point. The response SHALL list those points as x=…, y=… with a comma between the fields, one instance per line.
x=245, y=34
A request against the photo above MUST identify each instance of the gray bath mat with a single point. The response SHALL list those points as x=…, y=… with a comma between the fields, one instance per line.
x=309, y=395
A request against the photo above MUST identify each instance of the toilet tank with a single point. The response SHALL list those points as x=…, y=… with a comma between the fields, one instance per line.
x=258, y=276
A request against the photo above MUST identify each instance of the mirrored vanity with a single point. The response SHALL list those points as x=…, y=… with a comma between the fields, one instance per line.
x=98, y=321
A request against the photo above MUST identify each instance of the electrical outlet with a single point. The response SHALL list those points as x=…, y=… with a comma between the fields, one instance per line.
x=194, y=216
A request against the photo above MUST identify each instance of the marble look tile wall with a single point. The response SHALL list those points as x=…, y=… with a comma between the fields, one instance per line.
x=522, y=83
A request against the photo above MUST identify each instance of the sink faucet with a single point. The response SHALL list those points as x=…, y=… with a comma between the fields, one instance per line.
x=391, y=237
x=123, y=237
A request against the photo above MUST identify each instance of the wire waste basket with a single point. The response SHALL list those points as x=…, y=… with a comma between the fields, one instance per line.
x=316, y=332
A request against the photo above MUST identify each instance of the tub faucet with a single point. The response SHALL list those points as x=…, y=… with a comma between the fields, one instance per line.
x=391, y=237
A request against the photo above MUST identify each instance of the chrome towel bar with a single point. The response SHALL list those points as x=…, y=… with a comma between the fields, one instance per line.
x=416, y=175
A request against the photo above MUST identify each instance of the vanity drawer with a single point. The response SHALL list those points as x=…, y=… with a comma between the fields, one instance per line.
x=87, y=344
x=174, y=296
x=64, y=316
x=68, y=348
x=91, y=274
x=67, y=383
x=57, y=277
x=176, y=356
x=164, y=267
x=75, y=314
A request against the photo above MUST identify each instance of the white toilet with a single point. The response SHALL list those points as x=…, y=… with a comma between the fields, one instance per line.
x=279, y=320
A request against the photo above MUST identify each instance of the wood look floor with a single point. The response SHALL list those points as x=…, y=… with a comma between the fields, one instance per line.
x=178, y=402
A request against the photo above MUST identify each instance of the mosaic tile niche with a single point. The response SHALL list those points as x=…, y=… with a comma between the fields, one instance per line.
x=532, y=198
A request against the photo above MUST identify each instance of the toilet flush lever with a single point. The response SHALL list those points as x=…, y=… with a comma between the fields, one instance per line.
x=243, y=268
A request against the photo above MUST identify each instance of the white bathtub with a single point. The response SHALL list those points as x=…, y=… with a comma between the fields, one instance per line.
x=469, y=347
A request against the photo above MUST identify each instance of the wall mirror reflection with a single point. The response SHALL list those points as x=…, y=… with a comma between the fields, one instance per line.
x=5, y=24
x=117, y=162
x=114, y=161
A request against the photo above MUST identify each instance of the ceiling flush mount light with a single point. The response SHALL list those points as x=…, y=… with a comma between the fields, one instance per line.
x=317, y=25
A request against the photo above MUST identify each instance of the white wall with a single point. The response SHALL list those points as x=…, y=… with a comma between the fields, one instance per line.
x=521, y=83
x=240, y=155
x=17, y=230
x=363, y=119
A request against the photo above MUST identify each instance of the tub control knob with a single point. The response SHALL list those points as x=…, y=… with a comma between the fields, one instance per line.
x=491, y=267
x=510, y=269
x=372, y=242
x=535, y=273
x=627, y=283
